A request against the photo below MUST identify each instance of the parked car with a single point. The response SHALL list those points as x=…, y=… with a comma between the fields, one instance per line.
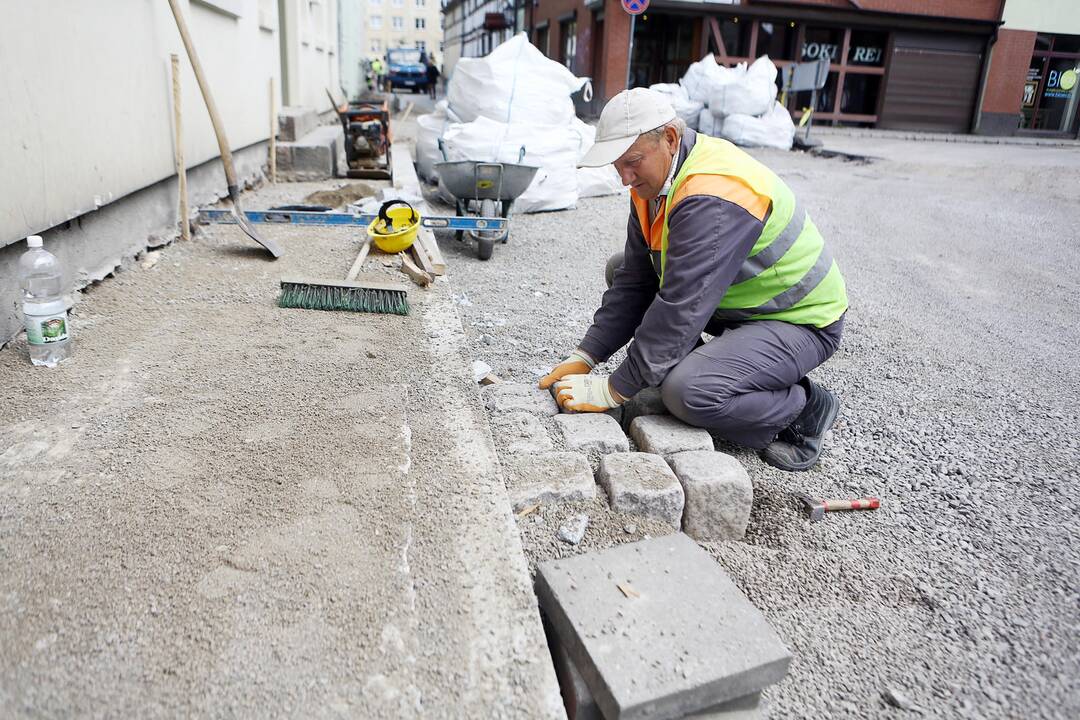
x=405, y=69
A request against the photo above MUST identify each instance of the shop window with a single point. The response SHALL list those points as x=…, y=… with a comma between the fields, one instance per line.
x=736, y=37
x=776, y=39
x=1052, y=89
x=540, y=40
x=867, y=48
x=860, y=94
x=1067, y=44
x=822, y=42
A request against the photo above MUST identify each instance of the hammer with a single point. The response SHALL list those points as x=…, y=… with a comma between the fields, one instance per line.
x=818, y=508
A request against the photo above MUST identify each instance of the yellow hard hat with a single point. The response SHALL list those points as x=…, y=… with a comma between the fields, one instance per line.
x=394, y=230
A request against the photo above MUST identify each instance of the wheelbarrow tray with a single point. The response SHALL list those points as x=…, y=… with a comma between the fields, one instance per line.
x=476, y=180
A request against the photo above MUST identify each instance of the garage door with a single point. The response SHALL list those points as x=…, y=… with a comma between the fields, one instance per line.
x=932, y=82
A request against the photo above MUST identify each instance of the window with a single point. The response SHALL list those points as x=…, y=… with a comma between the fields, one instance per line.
x=540, y=39
x=399, y=22
x=376, y=45
x=421, y=45
x=568, y=33
x=375, y=22
x=420, y=23
x=397, y=3
x=420, y=3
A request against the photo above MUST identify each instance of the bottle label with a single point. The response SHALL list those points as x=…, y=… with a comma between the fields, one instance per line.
x=45, y=329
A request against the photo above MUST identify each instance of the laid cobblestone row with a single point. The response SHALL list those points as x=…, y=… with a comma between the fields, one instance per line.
x=519, y=397
x=521, y=433
x=718, y=494
x=592, y=432
x=665, y=435
x=548, y=478
x=642, y=484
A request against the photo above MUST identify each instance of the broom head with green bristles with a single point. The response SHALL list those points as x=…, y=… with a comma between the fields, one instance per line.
x=371, y=296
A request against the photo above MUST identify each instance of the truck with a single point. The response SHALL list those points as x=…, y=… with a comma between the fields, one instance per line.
x=405, y=69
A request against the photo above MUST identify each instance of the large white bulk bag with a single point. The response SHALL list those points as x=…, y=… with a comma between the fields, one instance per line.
x=775, y=129
x=553, y=148
x=515, y=83
x=752, y=92
x=705, y=75
x=685, y=108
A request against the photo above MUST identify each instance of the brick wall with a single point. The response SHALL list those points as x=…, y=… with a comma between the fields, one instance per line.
x=967, y=9
x=1008, y=71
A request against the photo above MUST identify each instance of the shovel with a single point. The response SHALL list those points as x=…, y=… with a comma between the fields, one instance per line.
x=219, y=131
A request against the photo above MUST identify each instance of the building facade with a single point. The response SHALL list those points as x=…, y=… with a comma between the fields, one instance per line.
x=473, y=28
x=986, y=66
x=1033, y=87
x=401, y=23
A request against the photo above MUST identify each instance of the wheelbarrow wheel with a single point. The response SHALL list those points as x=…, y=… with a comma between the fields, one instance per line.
x=485, y=241
x=459, y=208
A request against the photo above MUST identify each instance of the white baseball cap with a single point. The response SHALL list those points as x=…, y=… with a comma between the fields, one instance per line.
x=623, y=120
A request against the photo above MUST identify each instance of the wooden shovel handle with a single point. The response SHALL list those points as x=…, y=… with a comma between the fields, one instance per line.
x=215, y=119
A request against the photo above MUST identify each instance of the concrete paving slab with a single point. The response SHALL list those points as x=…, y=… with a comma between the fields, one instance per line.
x=520, y=397
x=521, y=433
x=642, y=484
x=718, y=493
x=548, y=478
x=666, y=435
x=312, y=157
x=592, y=433
x=677, y=637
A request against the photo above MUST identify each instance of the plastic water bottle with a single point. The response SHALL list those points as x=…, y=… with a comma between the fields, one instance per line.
x=44, y=306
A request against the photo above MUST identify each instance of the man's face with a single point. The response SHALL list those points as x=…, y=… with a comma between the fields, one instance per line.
x=645, y=165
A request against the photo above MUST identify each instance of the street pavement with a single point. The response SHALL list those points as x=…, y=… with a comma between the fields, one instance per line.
x=958, y=382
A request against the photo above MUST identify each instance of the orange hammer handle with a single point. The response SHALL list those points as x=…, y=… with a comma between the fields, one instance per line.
x=869, y=503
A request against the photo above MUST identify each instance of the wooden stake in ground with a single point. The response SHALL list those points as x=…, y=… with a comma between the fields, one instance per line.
x=273, y=134
x=181, y=171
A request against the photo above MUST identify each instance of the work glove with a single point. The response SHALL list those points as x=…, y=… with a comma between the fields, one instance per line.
x=587, y=393
x=577, y=364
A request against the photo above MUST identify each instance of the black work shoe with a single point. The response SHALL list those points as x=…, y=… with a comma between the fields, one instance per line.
x=798, y=446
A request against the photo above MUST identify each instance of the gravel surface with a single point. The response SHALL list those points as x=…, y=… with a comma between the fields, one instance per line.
x=218, y=508
x=957, y=376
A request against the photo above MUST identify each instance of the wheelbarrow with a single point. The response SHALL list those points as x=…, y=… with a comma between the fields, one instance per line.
x=485, y=189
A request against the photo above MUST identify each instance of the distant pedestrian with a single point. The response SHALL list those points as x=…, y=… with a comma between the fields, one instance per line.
x=432, y=78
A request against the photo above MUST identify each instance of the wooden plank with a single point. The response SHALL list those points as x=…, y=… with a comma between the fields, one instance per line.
x=427, y=239
x=422, y=258
x=415, y=274
x=404, y=173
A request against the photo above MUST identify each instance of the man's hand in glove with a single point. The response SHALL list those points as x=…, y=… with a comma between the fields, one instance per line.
x=577, y=364
x=587, y=393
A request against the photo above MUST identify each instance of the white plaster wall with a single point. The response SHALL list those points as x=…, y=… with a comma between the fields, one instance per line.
x=86, y=96
x=352, y=48
x=1058, y=17
x=86, y=100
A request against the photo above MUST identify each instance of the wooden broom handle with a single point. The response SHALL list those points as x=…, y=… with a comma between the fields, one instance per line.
x=215, y=119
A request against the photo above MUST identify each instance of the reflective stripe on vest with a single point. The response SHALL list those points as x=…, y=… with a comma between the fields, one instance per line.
x=789, y=261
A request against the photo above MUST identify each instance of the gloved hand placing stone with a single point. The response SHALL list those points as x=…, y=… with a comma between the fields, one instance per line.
x=587, y=393
x=578, y=363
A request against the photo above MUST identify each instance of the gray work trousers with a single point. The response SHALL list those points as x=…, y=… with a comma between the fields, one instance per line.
x=744, y=383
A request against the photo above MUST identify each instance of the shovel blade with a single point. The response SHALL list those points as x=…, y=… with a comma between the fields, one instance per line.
x=249, y=229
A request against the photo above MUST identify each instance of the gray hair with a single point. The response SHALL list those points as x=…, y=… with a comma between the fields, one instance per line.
x=678, y=123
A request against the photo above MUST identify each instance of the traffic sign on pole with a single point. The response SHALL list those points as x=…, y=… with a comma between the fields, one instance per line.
x=635, y=7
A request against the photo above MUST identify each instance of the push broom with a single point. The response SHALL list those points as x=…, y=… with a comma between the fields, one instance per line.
x=372, y=296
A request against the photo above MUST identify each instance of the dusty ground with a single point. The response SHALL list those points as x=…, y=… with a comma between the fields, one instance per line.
x=220, y=508
x=957, y=376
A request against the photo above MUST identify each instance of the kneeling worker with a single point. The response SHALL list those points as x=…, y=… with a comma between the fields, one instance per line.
x=716, y=243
